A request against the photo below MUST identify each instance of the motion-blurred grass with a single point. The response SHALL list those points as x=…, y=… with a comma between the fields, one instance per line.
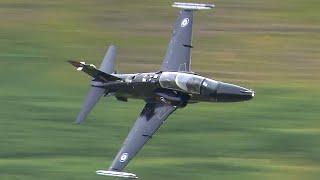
x=270, y=46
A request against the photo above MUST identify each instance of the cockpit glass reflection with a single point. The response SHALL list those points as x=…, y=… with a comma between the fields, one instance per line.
x=189, y=83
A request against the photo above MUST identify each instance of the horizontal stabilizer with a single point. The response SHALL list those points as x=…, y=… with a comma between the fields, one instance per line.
x=193, y=6
x=109, y=59
x=91, y=70
x=91, y=100
x=117, y=174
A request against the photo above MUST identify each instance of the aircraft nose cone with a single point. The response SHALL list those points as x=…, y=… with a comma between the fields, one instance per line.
x=233, y=93
x=248, y=93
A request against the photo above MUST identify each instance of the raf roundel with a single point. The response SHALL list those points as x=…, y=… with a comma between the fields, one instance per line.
x=124, y=157
x=185, y=22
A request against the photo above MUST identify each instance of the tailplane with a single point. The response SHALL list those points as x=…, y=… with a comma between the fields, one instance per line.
x=103, y=74
x=109, y=60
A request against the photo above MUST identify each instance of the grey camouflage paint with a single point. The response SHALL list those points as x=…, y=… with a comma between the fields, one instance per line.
x=178, y=56
x=151, y=118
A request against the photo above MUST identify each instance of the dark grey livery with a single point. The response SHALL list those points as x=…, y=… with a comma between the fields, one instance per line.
x=165, y=91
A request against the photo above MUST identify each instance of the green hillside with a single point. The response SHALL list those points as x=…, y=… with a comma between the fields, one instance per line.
x=269, y=46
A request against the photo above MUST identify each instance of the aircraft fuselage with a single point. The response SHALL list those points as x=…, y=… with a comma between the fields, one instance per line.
x=175, y=88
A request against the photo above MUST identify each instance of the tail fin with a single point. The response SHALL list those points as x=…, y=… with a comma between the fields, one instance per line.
x=109, y=59
x=103, y=74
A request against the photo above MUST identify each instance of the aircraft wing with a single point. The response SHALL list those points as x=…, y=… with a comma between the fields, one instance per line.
x=178, y=55
x=151, y=118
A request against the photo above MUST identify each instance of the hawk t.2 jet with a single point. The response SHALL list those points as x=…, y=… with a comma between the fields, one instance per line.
x=164, y=91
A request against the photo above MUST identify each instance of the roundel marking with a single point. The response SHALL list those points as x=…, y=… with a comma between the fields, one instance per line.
x=124, y=157
x=184, y=22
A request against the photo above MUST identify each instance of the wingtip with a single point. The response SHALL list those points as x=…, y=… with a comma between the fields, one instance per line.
x=112, y=47
x=117, y=174
x=76, y=123
x=193, y=6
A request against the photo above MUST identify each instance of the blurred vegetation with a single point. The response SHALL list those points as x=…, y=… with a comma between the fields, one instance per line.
x=269, y=46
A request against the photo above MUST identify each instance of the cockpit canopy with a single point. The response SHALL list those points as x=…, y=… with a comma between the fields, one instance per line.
x=189, y=83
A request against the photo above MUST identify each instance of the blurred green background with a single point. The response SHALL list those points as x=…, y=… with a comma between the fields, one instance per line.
x=269, y=46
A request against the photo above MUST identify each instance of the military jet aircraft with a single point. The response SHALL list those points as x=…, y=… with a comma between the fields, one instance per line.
x=174, y=86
